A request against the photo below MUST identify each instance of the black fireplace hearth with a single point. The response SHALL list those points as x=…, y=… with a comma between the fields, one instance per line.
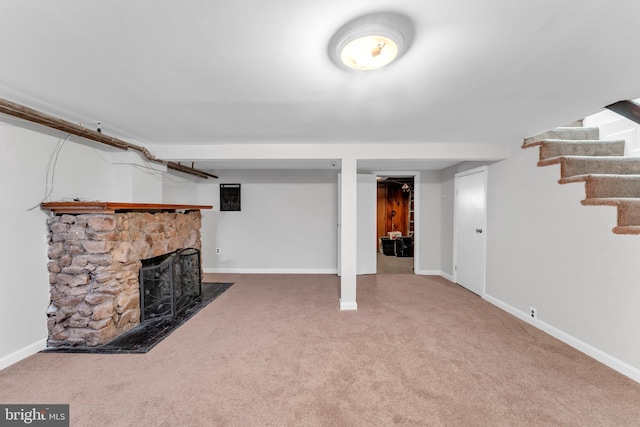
x=146, y=335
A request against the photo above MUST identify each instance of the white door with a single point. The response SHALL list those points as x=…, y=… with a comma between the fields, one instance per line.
x=366, y=237
x=470, y=211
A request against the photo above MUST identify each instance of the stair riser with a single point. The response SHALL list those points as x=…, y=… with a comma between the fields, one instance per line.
x=573, y=167
x=629, y=213
x=556, y=149
x=604, y=188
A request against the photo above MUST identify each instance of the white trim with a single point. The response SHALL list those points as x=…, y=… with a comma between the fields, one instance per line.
x=435, y=273
x=348, y=305
x=23, y=353
x=272, y=270
x=602, y=357
x=428, y=272
x=447, y=276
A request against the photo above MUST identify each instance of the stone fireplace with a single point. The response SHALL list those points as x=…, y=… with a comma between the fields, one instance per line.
x=95, y=254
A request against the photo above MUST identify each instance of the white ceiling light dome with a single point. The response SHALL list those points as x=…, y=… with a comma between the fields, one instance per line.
x=371, y=41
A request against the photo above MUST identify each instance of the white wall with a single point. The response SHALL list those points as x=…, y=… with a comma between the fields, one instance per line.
x=83, y=170
x=137, y=179
x=546, y=250
x=303, y=202
x=180, y=188
x=429, y=223
x=24, y=288
x=287, y=223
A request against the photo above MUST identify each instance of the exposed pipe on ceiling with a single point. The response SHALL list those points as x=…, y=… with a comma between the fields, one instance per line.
x=16, y=110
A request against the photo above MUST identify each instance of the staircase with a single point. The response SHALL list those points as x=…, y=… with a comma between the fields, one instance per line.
x=610, y=178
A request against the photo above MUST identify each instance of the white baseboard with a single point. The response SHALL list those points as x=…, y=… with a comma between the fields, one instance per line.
x=447, y=276
x=23, y=353
x=271, y=270
x=589, y=350
x=435, y=273
x=348, y=305
x=428, y=272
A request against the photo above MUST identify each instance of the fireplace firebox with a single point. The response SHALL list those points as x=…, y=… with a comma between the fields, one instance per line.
x=168, y=283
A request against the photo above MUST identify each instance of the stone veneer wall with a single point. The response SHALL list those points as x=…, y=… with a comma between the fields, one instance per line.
x=94, y=261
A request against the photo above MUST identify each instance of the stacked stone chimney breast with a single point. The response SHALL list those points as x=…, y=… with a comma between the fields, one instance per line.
x=94, y=261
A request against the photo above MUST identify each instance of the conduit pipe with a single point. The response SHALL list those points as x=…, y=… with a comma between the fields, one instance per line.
x=16, y=110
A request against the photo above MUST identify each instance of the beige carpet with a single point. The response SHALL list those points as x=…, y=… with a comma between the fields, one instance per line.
x=274, y=350
x=386, y=264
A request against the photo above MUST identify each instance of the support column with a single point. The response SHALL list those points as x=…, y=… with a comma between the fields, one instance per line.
x=348, y=234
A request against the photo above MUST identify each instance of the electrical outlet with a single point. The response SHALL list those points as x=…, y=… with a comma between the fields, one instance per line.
x=533, y=312
x=218, y=251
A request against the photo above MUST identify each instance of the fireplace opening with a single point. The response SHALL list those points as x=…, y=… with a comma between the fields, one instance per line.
x=169, y=283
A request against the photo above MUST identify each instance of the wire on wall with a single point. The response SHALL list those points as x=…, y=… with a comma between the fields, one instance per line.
x=148, y=169
x=51, y=171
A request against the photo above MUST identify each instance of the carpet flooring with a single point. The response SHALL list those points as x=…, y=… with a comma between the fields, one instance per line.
x=275, y=350
x=386, y=264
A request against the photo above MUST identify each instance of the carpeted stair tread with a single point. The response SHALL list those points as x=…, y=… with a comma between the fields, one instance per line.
x=610, y=201
x=627, y=229
x=584, y=165
x=606, y=186
x=566, y=133
x=550, y=148
x=558, y=160
x=610, y=178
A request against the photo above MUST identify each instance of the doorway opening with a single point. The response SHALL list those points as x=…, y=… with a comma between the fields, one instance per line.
x=395, y=224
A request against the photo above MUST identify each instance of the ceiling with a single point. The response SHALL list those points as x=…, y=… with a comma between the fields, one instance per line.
x=163, y=72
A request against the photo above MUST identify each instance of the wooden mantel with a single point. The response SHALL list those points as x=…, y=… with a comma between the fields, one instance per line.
x=113, y=207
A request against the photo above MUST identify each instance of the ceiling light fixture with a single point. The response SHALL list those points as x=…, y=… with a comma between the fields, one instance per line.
x=371, y=41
